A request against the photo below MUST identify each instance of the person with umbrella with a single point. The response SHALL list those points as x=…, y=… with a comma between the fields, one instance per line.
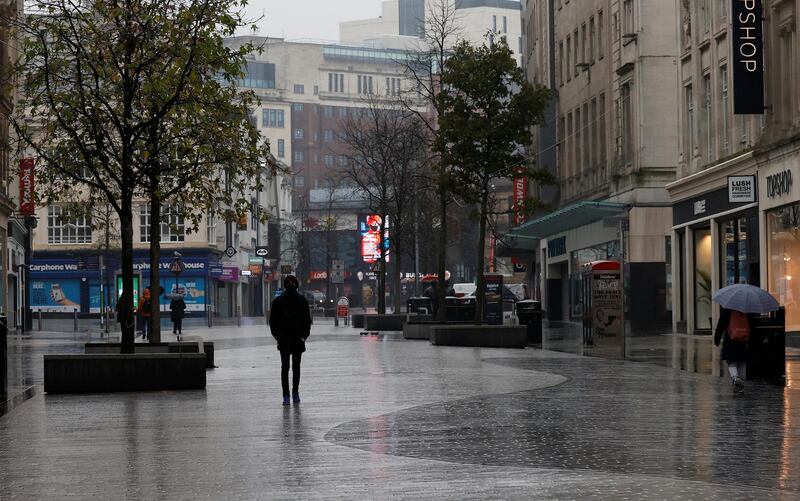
x=740, y=303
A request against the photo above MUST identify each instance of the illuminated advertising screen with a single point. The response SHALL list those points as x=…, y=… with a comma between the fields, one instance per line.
x=370, y=229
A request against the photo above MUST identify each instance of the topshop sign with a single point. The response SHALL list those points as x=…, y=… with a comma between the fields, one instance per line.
x=748, y=57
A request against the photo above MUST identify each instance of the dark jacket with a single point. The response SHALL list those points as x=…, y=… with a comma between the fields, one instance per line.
x=732, y=351
x=176, y=308
x=290, y=321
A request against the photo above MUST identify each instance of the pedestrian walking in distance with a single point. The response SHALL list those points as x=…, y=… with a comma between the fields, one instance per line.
x=290, y=324
x=176, y=307
x=733, y=330
x=144, y=309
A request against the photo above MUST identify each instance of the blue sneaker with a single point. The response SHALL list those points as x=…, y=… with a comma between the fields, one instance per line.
x=296, y=397
x=286, y=400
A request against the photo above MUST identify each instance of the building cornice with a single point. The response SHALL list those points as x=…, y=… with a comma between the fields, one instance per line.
x=715, y=176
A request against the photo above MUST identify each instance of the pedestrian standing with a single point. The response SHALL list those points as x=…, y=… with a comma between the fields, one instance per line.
x=290, y=325
x=733, y=330
x=177, y=307
x=122, y=310
x=145, y=312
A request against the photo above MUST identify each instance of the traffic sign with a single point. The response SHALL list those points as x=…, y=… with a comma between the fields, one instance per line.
x=230, y=252
x=262, y=251
x=176, y=266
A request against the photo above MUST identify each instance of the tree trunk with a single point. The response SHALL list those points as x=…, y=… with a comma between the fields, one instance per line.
x=480, y=292
x=155, y=269
x=441, y=292
x=127, y=325
x=398, y=278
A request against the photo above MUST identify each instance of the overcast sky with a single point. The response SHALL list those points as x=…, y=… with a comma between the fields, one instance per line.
x=309, y=19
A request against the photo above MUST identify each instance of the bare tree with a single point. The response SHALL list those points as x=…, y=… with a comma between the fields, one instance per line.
x=385, y=146
x=423, y=66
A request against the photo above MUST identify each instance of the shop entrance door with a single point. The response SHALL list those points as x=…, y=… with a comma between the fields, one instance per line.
x=702, y=280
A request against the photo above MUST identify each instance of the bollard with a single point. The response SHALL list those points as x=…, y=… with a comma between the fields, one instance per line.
x=238, y=316
x=75, y=319
x=40, y=319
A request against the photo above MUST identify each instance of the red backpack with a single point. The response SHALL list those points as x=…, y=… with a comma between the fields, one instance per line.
x=739, y=327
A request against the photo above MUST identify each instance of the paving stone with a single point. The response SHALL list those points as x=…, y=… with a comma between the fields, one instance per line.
x=385, y=418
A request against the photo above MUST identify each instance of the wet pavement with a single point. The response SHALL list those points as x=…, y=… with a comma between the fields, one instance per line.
x=386, y=418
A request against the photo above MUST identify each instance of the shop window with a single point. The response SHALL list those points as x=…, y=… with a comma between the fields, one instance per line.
x=734, y=262
x=702, y=279
x=783, y=247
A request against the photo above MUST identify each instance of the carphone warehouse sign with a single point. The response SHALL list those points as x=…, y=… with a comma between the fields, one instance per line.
x=748, y=57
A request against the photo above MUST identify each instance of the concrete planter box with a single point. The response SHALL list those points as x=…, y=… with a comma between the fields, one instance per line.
x=357, y=320
x=387, y=322
x=95, y=373
x=173, y=347
x=413, y=330
x=486, y=336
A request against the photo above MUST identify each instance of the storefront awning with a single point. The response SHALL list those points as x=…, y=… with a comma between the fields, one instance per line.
x=567, y=218
x=517, y=246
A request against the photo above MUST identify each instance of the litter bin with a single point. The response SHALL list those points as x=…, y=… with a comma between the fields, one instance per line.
x=529, y=313
x=766, y=357
x=419, y=305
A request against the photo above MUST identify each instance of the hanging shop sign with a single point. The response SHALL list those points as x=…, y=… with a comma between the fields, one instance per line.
x=748, y=57
x=741, y=189
x=27, y=206
x=520, y=194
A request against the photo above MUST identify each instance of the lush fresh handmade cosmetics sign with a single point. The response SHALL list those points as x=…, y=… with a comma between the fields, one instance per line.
x=748, y=57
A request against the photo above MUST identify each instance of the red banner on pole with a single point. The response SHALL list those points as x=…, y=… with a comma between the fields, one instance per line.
x=27, y=205
x=520, y=194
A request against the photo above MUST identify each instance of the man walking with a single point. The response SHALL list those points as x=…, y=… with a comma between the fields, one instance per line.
x=290, y=324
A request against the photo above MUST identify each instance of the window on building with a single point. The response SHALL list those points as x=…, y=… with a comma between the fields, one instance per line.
x=592, y=35
x=316, y=90
x=328, y=159
x=327, y=111
x=365, y=85
x=299, y=89
x=281, y=148
x=258, y=75
x=722, y=9
x=64, y=228
x=211, y=228
x=627, y=17
x=272, y=117
x=724, y=125
x=626, y=124
x=336, y=82
x=342, y=112
x=343, y=161
x=327, y=135
x=584, y=44
x=298, y=156
x=494, y=23
x=690, y=124
x=575, y=53
x=706, y=122
x=601, y=42
x=505, y=24
x=561, y=63
x=299, y=181
x=562, y=137
x=299, y=134
x=705, y=14
x=172, y=225
x=602, y=131
x=593, y=125
x=297, y=107
x=587, y=143
x=569, y=144
x=412, y=18
x=567, y=67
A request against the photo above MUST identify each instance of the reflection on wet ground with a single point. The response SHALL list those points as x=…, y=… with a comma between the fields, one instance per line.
x=676, y=351
x=612, y=416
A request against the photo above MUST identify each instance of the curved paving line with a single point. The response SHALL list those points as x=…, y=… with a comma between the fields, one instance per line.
x=608, y=417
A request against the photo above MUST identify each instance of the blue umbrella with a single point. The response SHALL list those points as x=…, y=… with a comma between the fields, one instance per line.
x=746, y=298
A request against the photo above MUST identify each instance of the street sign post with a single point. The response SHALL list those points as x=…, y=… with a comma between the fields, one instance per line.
x=230, y=252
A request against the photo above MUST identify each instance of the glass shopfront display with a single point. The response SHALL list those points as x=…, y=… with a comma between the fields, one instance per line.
x=783, y=248
x=702, y=279
x=733, y=252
